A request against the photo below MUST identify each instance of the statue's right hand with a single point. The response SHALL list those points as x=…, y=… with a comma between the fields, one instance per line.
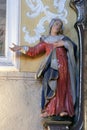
x=15, y=47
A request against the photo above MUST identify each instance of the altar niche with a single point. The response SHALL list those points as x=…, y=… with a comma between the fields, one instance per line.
x=77, y=122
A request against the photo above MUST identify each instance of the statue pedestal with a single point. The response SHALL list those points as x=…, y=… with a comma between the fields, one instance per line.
x=56, y=125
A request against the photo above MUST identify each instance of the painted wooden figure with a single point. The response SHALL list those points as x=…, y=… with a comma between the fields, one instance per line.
x=58, y=71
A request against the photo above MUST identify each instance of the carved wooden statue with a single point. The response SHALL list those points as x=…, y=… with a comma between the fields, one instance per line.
x=58, y=71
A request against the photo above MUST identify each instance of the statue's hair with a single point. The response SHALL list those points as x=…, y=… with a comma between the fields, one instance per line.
x=52, y=23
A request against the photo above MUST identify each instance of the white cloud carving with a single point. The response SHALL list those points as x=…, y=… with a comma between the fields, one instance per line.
x=37, y=7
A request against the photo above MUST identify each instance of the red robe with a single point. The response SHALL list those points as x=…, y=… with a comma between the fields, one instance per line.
x=62, y=101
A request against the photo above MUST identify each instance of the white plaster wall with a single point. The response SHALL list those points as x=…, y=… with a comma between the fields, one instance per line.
x=20, y=97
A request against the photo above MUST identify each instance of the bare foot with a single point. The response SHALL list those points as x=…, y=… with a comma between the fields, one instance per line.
x=45, y=114
x=63, y=114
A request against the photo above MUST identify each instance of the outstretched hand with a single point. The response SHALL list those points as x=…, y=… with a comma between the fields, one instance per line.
x=15, y=47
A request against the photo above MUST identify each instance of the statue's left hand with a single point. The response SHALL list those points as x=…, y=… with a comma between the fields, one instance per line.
x=15, y=48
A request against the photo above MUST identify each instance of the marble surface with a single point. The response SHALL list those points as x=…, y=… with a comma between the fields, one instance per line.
x=20, y=104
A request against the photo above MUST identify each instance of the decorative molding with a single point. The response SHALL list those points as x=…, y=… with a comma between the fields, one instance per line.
x=9, y=62
x=36, y=8
x=18, y=76
x=85, y=20
x=79, y=7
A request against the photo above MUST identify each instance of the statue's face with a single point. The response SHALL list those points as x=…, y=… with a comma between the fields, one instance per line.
x=56, y=27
